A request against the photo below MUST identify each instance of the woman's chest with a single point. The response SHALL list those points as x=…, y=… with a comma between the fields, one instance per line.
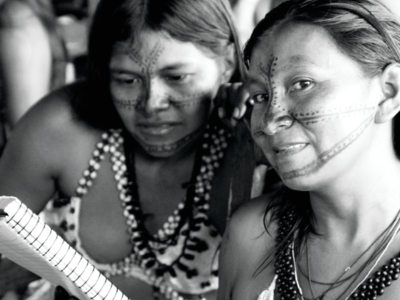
x=103, y=214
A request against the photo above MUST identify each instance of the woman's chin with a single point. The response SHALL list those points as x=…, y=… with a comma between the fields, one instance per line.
x=161, y=150
x=303, y=182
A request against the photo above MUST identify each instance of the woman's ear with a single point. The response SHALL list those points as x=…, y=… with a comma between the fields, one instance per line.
x=390, y=85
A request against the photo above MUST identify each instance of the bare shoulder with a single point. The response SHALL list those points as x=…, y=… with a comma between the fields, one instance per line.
x=248, y=240
x=251, y=218
x=52, y=118
x=250, y=232
x=47, y=146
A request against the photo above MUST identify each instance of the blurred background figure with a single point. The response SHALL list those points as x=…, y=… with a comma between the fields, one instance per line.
x=74, y=17
x=33, y=58
x=249, y=12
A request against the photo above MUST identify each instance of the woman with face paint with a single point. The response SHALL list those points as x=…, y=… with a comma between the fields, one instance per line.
x=325, y=79
x=141, y=172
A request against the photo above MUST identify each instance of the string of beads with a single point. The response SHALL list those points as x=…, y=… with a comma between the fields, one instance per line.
x=214, y=143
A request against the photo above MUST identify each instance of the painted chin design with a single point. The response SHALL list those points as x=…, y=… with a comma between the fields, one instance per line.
x=174, y=146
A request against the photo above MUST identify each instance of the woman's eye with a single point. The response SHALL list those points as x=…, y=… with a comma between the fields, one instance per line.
x=260, y=98
x=127, y=80
x=301, y=85
x=177, y=78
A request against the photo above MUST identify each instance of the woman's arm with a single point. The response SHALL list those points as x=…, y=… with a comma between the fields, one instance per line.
x=25, y=166
x=25, y=59
x=228, y=263
x=38, y=156
x=244, y=247
x=41, y=152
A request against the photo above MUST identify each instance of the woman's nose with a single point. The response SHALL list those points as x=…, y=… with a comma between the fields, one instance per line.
x=156, y=98
x=277, y=119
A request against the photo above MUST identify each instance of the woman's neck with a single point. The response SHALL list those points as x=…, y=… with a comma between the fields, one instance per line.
x=354, y=205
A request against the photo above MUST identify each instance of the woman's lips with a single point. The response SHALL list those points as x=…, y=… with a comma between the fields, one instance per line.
x=291, y=149
x=156, y=128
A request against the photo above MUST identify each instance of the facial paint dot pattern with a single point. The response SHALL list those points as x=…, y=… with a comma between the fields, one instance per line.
x=276, y=112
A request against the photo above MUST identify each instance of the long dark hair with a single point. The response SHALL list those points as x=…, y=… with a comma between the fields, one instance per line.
x=206, y=23
x=363, y=29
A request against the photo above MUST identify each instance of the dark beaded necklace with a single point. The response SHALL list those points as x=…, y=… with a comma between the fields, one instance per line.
x=285, y=270
x=208, y=158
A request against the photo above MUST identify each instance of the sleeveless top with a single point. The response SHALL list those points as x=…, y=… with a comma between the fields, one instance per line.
x=194, y=258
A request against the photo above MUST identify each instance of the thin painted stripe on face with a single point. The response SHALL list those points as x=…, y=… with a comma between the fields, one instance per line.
x=194, y=100
x=329, y=154
x=147, y=68
x=335, y=113
x=268, y=73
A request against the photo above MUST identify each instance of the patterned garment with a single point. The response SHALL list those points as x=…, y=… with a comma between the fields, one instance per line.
x=194, y=259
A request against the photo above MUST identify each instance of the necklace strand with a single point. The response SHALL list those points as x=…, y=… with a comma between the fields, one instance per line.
x=214, y=143
x=339, y=281
x=369, y=288
x=215, y=140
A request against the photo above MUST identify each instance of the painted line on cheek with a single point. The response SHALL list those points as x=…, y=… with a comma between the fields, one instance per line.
x=315, y=117
x=326, y=156
x=126, y=104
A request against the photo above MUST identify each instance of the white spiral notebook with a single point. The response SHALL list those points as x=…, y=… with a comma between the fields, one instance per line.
x=31, y=243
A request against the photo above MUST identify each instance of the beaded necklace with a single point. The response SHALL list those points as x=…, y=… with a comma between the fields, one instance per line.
x=368, y=289
x=208, y=158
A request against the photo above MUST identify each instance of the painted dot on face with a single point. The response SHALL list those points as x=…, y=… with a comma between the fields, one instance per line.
x=268, y=72
x=327, y=94
x=126, y=104
x=147, y=63
x=167, y=71
x=147, y=66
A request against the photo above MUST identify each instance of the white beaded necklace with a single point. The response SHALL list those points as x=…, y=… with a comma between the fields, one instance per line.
x=214, y=143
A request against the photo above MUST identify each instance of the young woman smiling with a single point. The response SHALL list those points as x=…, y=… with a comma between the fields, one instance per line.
x=325, y=79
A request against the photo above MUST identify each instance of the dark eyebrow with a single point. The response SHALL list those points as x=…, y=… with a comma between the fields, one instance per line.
x=122, y=70
x=174, y=66
x=252, y=80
